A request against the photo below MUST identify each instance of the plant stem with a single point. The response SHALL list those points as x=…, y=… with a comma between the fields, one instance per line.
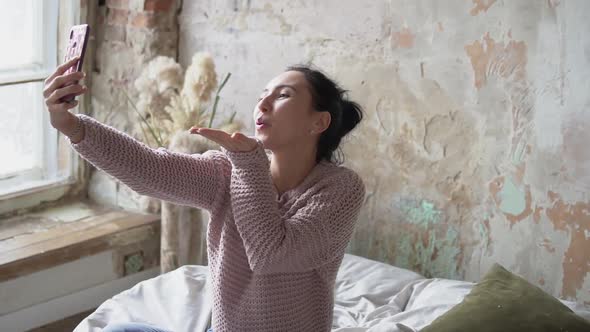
x=156, y=126
x=231, y=118
x=213, y=112
x=217, y=99
x=145, y=136
x=142, y=118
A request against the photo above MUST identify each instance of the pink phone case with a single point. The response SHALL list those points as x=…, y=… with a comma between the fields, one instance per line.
x=78, y=39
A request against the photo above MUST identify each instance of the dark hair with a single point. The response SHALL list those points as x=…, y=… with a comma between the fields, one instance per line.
x=327, y=96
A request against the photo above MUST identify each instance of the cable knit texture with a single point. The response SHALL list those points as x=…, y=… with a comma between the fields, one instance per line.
x=273, y=259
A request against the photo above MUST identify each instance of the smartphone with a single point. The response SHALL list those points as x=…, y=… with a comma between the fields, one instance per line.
x=78, y=39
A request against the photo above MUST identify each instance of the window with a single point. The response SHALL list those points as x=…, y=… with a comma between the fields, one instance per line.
x=30, y=152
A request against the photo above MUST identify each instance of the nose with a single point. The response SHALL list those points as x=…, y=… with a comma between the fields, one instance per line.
x=264, y=104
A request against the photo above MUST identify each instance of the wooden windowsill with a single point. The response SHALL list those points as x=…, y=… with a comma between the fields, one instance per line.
x=40, y=240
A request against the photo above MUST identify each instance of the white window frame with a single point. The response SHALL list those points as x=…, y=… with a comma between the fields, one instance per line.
x=30, y=188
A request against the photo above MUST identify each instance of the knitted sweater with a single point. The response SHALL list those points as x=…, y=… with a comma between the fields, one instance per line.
x=273, y=259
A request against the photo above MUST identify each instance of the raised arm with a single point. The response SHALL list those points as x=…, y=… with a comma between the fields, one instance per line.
x=313, y=235
x=193, y=180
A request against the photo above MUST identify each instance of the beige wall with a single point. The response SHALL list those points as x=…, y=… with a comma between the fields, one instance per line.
x=474, y=148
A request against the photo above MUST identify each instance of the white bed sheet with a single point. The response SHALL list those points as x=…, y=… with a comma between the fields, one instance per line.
x=384, y=298
x=370, y=296
x=178, y=301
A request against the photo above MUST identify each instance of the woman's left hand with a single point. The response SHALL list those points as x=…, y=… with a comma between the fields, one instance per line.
x=236, y=142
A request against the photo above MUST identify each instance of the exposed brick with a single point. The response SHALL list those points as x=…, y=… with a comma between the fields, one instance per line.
x=115, y=33
x=99, y=18
x=136, y=5
x=158, y=5
x=118, y=4
x=118, y=17
x=144, y=20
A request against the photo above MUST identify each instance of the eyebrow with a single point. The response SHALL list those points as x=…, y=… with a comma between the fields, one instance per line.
x=282, y=86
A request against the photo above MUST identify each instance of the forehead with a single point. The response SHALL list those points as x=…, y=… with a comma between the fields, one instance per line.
x=293, y=78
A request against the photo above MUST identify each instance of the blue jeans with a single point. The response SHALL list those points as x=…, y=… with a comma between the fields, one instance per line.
x=135, y=327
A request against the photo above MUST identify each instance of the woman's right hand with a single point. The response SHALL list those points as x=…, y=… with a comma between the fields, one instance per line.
x=57, y=86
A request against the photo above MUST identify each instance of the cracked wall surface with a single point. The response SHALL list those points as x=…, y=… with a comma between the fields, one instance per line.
x=474, y=148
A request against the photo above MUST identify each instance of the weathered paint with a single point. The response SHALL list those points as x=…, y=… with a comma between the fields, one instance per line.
x=474, y=146
x=574, y=218
x=484, y=233
x=441, y=255
x=513, y=200
x=405, y=251
x=422, y=213
x=432, y=247
x=481, y=6
x=403, y=38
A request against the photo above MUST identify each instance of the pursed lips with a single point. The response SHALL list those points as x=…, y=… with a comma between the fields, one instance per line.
x=261, y=123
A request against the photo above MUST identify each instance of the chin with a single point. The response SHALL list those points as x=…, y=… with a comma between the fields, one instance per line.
x=266, y=142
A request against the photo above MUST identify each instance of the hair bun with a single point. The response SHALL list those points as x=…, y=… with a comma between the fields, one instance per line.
x=351, y=116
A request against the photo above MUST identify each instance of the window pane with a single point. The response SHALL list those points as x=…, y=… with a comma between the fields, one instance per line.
x=20, y=128
x=18, y=31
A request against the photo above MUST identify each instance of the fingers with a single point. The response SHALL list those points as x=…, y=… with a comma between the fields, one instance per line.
x=55, y=97
x=211, y=133
x=62, y=69
x=234, y=142
x=61, y=81
x=62, y=107
x=218, y=136
x=240, y=137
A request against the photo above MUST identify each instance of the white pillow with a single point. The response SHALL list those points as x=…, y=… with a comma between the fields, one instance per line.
x=363, y=285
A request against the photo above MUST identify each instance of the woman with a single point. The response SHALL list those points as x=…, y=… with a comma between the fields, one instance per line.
x=278, y=226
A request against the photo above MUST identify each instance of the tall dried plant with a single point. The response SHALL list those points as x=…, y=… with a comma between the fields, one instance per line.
x=169, y=102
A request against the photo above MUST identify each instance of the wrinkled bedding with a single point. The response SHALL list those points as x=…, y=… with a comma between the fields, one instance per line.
x=370, y=296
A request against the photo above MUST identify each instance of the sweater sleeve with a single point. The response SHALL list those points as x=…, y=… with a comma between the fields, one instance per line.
x=185, y=179
x=314, y=235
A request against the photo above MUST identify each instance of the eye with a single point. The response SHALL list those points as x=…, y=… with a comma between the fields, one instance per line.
x=283, y=95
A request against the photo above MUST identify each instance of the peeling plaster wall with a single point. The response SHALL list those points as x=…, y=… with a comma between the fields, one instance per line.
x=474, y=148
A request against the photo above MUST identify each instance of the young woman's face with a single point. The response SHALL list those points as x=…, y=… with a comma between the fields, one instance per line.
x=284, y=115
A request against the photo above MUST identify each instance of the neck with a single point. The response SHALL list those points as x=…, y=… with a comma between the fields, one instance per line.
x=289, y=168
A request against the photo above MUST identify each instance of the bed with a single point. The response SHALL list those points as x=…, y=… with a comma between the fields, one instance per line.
x=370, y=296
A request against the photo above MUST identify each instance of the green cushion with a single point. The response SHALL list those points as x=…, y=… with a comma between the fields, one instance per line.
x=505, y=302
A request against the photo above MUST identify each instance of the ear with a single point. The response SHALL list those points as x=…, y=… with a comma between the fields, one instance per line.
x=321, y=122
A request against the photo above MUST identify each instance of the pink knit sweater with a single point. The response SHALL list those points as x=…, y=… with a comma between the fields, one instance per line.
x=273, y=260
